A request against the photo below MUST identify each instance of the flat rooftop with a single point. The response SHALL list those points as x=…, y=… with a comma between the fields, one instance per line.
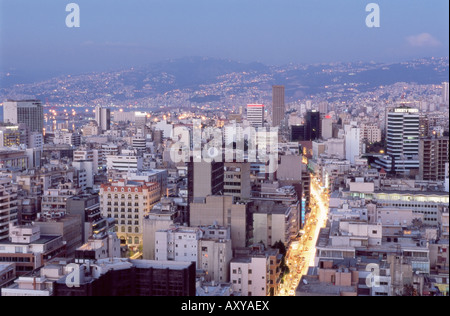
x=310, y=285
x=41, y=241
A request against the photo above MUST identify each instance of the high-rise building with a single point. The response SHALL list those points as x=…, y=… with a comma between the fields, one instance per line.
x=403, y=133
x=433, y=157
x=255, y=115
x=278, y=105
x=103, y=118
x=8, y=211
x=402, y=141
x=323, y=108
x=327, y=127
x=28, y=112
x=445, y=93
x=353, y=145
x=313, y=128
x=205, y=179
x=297, y=133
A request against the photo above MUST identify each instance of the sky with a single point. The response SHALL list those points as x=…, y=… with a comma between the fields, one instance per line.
x=114, y=34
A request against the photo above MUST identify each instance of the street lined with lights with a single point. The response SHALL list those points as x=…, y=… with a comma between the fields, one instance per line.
x=301, y=254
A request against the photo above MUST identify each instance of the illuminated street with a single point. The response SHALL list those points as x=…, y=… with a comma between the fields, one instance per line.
x=301, y=254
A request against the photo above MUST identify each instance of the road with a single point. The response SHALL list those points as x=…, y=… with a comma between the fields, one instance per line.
x=301, y=254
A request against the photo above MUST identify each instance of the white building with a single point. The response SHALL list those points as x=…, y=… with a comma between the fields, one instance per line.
x=249, y=275
x=336, y=148
x=403, y=133
x=123, y=162
x=106, y=246
x=353, y=148
x=166, y=128
x=177, y=244
x=255, y=115
x=327, y=128
x=29, y=112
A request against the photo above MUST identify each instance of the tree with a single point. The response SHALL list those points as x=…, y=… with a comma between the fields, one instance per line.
x=282, y=248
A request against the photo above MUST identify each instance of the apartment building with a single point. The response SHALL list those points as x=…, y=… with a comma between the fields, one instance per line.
x=256, y=272
x=8, y=206
x=237, y=180
x=129, y=202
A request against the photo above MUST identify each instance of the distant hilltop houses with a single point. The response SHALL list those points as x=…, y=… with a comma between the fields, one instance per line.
x=278, y=196
x=226, y=83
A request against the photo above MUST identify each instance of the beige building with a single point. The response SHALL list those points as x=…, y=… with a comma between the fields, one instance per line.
x=237, y=180
x=221, y=211
x=274, y=222
x=129, y=202
x=434, y=154
x=162, y=216
x=371, y=133
x=215, y=254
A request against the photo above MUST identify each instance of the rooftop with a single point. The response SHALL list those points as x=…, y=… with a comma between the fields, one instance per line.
x=310, y=285
x=41, y=241
x=5, y=266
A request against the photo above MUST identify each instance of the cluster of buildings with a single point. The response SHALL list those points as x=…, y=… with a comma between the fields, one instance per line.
x=103, y=208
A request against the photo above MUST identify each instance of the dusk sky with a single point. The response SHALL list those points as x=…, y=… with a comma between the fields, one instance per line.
x=115, y=34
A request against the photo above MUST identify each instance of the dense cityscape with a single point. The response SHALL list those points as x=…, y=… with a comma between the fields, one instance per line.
x=308, y=155
x=90, y=195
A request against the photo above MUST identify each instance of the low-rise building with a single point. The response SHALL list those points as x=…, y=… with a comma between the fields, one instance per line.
x=28, y=249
